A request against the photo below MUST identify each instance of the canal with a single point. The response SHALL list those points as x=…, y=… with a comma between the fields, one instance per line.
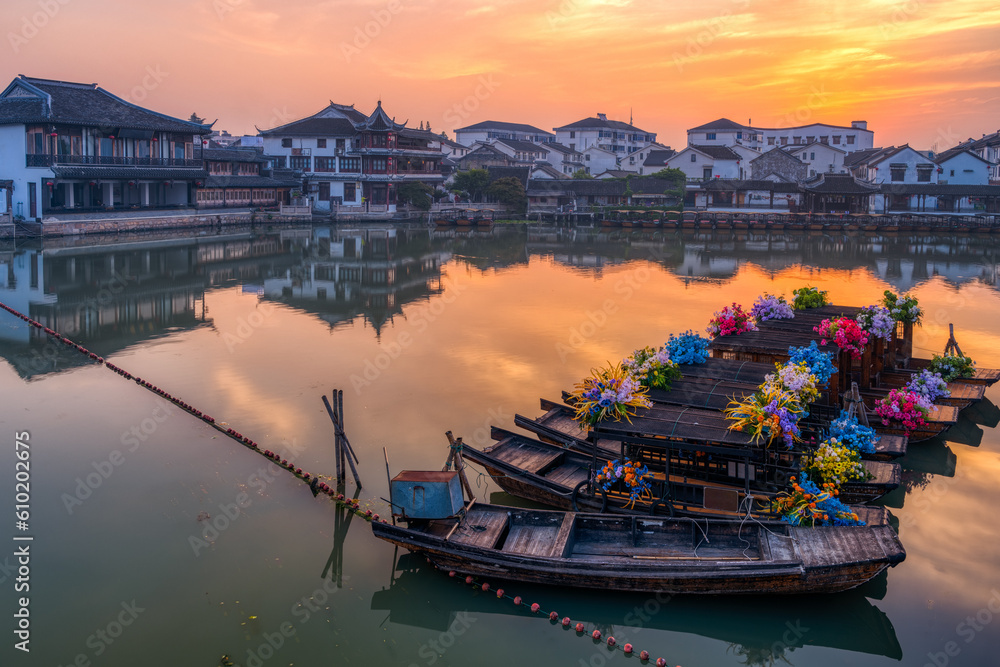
x=156, y=540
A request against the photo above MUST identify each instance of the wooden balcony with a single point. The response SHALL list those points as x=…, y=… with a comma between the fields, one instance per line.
x=109, y=160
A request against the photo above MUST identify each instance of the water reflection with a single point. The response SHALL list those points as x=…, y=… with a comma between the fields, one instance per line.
x=759, y=630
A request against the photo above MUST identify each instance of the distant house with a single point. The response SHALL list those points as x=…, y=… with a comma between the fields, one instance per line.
x=75, y=146
x=488, y=130
x=704, y=162
x=656, y=160
x=960, y=166
x=483, y=156
x=635, y=161
x=522, y=152
x=242, y=177
x=896, y=164
x=349, y=158
x=597, y=160
x=988, y=148
x=726, y=132
x=614, y=136
x=563, y=159
x=820, y=158
x=778, y=165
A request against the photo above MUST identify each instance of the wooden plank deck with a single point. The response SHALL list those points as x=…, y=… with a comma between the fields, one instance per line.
x=479, y=528
x=524, y=454
x=883, y=473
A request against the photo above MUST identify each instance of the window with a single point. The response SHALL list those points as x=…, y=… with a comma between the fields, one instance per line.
x=706, y=172
x=897, y=174
x=378, y=165
x=796, y=140
x=588, y=157
x=321, y=143
x=924, y=175
x=300, y=162
x=710, y=136
x=352, y=164
x=739, y=135
x=340, y=144
x=286, y=143
x=279, y=162
x=572, y=147
x=812, y=156
x=770, y=141
x=178, y=151
x=324, y=191
x=694, y=157
x=63, y=146
x=784, y=141
x=850, y=139
x=350, y=192
x=326, y=164
x=572, y=135
x=824, y=140
x=951, y=173
x=836, y=139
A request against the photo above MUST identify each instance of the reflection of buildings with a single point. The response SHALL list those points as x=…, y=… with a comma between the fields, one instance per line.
x=370, y=272
x=112, y=296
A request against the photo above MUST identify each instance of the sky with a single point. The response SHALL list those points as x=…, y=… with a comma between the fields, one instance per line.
x=923, y=72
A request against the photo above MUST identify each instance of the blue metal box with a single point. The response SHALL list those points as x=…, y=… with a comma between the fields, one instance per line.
x=419, y=494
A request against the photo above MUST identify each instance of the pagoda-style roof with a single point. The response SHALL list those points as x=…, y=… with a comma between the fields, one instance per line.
x=379, y=121
x=131, y=173
x=840, y=184
x=41, y=101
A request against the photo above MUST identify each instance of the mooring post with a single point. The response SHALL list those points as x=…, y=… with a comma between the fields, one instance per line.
x=340, y=418
x=346, y=444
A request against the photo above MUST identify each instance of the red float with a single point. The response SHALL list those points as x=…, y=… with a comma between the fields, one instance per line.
x=579, y=627
x=535, y=607
x=486, y=587
x=596, y=634
x=661, y=662
x=499, y=592
x=517, y=601
x=565, y=621
x=627, y=648
x=611, y=641
x=553, y=616
x=468, y=580
x=644, y=655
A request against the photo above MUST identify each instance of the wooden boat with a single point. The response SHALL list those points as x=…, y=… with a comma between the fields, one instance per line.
x=697, y=446
x=465, y=217
x=647, y=554
x=556, y=476
x=484, y=219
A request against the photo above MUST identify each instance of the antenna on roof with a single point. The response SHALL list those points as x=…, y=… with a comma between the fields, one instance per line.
x=630, y=115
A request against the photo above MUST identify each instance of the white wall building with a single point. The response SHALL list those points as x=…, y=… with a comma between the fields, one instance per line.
x=820, y=158
x=700, y=163
x=613, y=136
x=959, y=166
x=597, y=160
x=488, y=130
x=725, y=132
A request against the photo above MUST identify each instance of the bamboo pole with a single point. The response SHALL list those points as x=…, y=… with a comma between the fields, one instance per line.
x=346, y=443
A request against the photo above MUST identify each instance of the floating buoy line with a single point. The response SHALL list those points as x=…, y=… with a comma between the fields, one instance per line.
x=565, y=622
x=315, y=482
x=318, y=486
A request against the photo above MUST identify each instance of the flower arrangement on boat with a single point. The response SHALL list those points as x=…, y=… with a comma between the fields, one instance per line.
x=877, y=321
x=631, y=474
x=844, y=333
x=952, y=366
x=730, y=321
x=931, y=385
x=688, y=348
x=769, y=307
x=797, y=379
x=609, y=393
x=771, y=413
x=652, y=368
x=902, y=308
x=904, y=409
x=853, y=434
x=820, y=363
x=808, y=297
x=834, y=462
x=810, y=505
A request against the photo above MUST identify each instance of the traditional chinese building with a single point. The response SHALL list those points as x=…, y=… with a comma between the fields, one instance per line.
x=74, y=147
x=349, y=159
x=240, y=177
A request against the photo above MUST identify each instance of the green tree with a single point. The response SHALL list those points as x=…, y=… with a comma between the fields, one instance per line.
x=581, y=173
x=678, y=179
x=473, y=181
x=510, y=191
x=416, y=194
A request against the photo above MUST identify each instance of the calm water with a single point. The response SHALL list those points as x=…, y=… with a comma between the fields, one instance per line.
x=135, y=561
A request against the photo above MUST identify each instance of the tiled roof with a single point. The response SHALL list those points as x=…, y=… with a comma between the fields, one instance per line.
x=523, y=146
x=720, y=124
x=166, y=173
x=988, y=140
x=314, y=127
x=548, y=169
x=941, y=189
x=555, y=146
x=600, y=186
x=378, y=121
x=232, y=155
x=500, y=125
x=717, y=152
x=659, y=158
x=84, y=104
x=864, y=156
x=729, y=185
x=815, y=143
x=838, y=184
x=944, y=156
x=588, y=123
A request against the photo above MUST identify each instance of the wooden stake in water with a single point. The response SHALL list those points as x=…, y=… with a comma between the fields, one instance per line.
x=344, y=442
